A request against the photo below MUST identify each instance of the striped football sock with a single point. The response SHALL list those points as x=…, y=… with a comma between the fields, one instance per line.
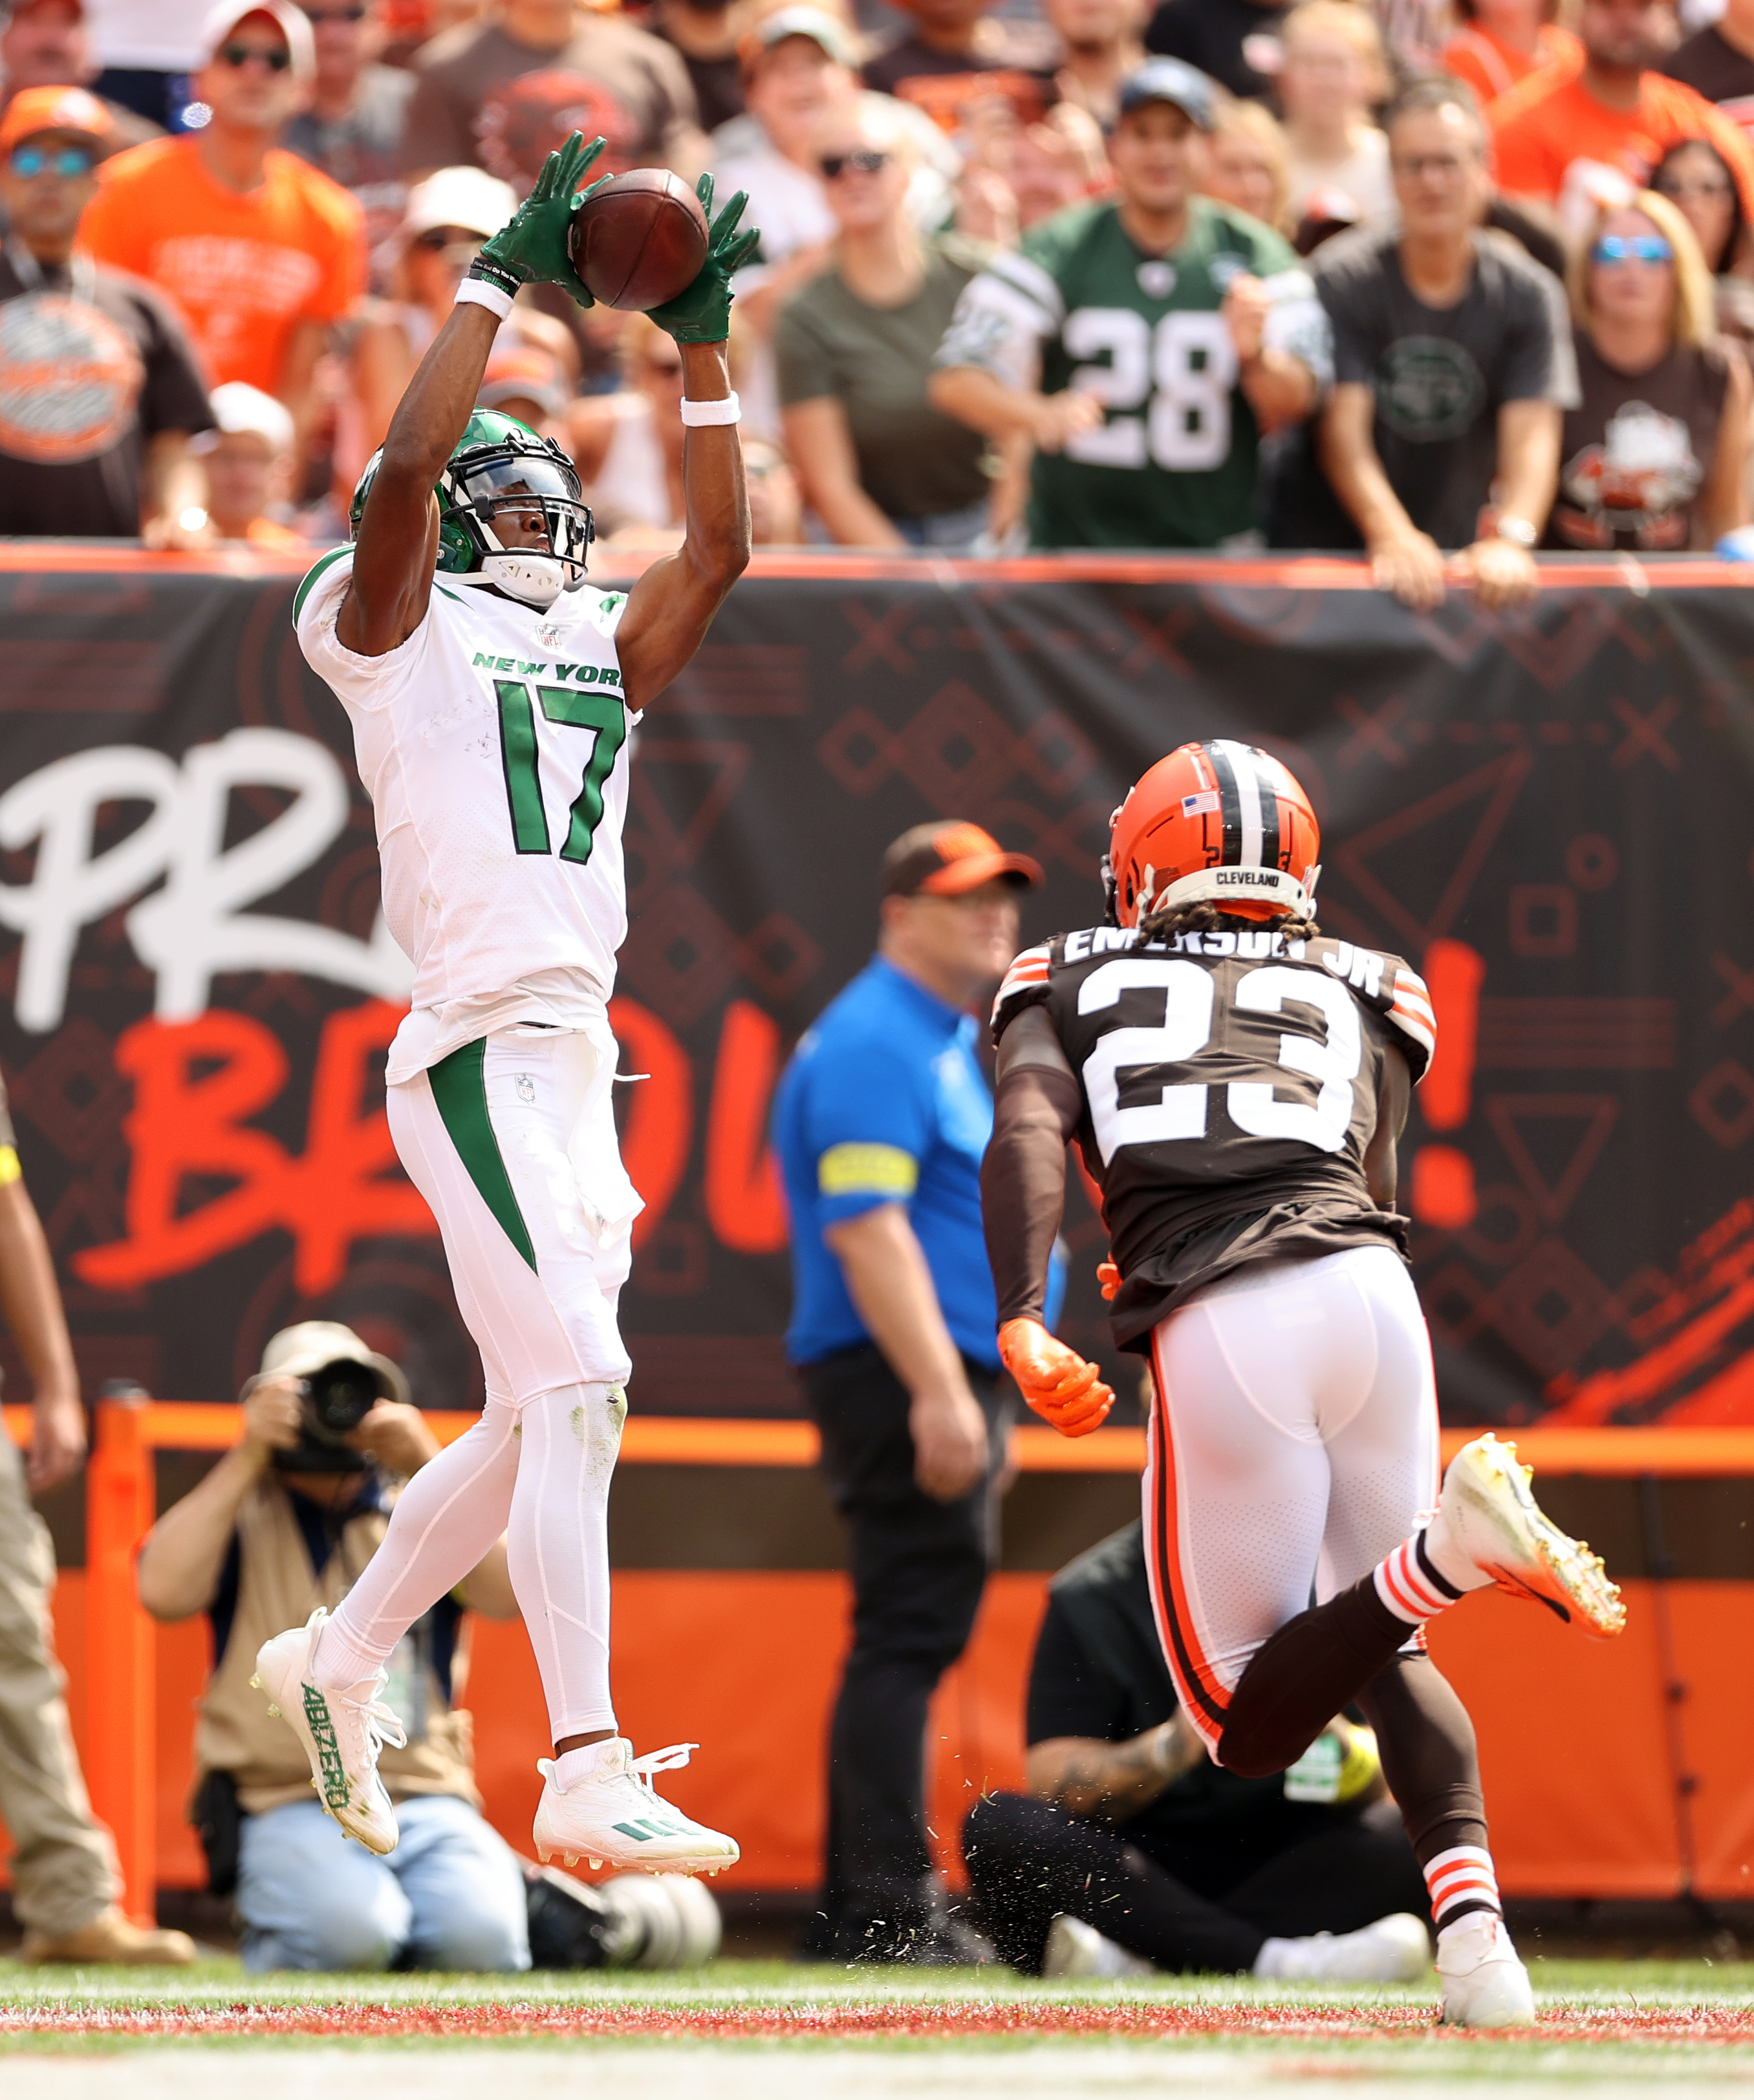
x=1461, y=1880
x=1409, y=1584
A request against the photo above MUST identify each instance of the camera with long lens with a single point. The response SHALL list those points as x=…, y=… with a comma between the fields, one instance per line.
x=334, y=1399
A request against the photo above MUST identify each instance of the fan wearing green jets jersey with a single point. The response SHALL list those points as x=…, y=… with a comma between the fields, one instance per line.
x=1143, y=344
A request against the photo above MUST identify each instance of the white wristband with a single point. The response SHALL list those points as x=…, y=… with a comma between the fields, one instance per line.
x=702, y=415
x=474, y=292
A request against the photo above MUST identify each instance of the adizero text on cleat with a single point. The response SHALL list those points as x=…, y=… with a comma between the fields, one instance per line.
x=612, y=1813
x=341, y=1732
x=1493, y=1519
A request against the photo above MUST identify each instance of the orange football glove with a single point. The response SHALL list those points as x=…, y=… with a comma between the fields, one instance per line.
x=1056, y=1381
x=1109, y=1277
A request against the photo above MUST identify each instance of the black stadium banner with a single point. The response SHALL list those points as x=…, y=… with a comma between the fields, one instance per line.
x=1550, y=813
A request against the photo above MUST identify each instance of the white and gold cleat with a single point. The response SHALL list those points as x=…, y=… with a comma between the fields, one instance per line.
x=1491, y=1519
x=614, y=1814
x=1481, y=1975
x=340, y=1733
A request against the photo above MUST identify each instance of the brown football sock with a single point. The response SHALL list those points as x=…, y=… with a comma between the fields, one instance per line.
x=1429, y=1760
x=1302, y=1675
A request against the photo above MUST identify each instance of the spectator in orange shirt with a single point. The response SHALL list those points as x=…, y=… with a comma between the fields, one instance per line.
x=262, y=252
x=1502, y=42
x=1555, y=131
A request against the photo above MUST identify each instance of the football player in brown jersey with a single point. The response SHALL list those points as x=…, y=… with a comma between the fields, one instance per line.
x=1235, y=1081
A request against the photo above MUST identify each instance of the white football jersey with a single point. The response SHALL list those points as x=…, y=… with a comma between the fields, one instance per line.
x=493, y=743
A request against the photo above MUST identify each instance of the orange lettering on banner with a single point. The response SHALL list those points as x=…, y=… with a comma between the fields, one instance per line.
x=745, y=1206
x=660, y=1116
x=196, y=1084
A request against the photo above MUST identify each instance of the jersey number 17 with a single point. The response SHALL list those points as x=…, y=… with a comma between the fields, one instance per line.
x=520, y=755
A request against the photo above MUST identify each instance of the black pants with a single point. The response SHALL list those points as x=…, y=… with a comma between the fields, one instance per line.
x=1028, y=1861
x=919, y=1567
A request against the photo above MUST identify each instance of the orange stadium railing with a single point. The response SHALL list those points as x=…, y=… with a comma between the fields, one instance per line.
x=120, y=1755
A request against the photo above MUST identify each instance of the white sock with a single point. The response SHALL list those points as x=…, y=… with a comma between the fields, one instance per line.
x=572, y=1765
x=1462, y=1882
x=558, y=1546
x=1416, y=1585
x=445, y=1520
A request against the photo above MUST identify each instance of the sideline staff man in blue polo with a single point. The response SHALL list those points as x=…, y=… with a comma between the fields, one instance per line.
x=881, y=1120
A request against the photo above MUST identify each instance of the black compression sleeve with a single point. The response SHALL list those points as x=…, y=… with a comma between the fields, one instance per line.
x=1023, y=1182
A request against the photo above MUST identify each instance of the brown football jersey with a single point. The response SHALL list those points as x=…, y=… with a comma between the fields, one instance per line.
x=1230, y=1083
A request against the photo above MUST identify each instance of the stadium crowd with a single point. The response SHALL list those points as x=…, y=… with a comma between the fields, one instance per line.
x=1416, y=278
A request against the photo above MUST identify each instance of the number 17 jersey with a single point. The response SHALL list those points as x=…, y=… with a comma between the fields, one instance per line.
x=493, y=742
x=1230, y=1083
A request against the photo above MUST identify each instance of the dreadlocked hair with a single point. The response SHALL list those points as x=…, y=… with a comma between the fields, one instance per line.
x=1205, y=917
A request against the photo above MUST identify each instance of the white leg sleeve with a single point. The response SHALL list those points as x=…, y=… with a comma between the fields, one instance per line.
x=558, y=1543
x=445, y=1521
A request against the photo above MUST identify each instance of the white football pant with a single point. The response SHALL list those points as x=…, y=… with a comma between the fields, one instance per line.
x=512, y=1141
x=1294, y=1444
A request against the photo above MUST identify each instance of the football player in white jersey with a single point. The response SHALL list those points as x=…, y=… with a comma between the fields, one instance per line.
x=491, y=691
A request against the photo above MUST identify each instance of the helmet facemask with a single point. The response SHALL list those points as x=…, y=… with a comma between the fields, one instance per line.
x=503, y=472
x=500, y=498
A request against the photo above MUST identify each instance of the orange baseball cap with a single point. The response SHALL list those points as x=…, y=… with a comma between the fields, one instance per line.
x=949, y=860
x=38, y=109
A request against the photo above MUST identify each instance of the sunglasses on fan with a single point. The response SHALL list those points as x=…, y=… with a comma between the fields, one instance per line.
x=71, y=162
x=1633, y=248
x=237, y=56
x=866, y=161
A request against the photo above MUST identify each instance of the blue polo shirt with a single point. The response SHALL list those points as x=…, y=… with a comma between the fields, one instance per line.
x=883, y=1102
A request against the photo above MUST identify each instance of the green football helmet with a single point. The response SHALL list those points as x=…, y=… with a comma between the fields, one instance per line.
x=500, y=464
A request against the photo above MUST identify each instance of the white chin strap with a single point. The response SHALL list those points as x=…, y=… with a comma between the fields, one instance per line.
x=1236, y=885
x=532, y=579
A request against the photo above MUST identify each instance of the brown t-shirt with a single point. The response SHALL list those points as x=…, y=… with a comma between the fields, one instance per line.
x=485, y=99
x=943, y=84
x=93, y=362
x=1638, y=449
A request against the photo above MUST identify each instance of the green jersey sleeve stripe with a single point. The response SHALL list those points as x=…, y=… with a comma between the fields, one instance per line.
x=319, y=569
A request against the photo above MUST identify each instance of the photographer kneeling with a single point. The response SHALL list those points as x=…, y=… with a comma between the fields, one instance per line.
x=1132, y=1851
x=284, y=1523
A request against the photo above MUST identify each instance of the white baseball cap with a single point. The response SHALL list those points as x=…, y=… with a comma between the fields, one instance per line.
x=238, y=408
x=467, y=197
x=313, y=1345
x=291, y=21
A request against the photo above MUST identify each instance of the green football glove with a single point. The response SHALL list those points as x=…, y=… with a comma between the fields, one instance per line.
x=530, y=248
x=702, y=313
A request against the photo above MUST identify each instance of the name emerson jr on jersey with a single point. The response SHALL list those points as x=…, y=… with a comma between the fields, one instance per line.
x=1362, y=968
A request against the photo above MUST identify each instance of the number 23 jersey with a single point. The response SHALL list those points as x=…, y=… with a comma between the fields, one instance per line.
x=493, y=743
x=1230, y=1083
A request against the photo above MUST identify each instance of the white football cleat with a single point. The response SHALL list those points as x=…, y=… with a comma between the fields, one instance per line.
x=1485, y=1985
x=614, y=1814
x=1396, y=1949
x=341, y=1733
x=1490, y=1517
x=1078, y=1953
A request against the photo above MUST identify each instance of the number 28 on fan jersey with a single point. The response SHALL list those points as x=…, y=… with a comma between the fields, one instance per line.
x=1232, y=1084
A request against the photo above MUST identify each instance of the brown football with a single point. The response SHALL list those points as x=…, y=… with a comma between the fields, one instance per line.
x=640, y=241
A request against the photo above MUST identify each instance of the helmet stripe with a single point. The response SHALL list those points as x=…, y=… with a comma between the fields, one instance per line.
x=1230, y=804
x=1248, y=803
x=1269, y=812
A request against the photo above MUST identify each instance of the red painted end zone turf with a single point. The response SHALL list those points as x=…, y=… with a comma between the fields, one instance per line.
x=841, y=2023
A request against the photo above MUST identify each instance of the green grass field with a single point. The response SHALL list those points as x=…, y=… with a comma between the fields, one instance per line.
x=749, y=2031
